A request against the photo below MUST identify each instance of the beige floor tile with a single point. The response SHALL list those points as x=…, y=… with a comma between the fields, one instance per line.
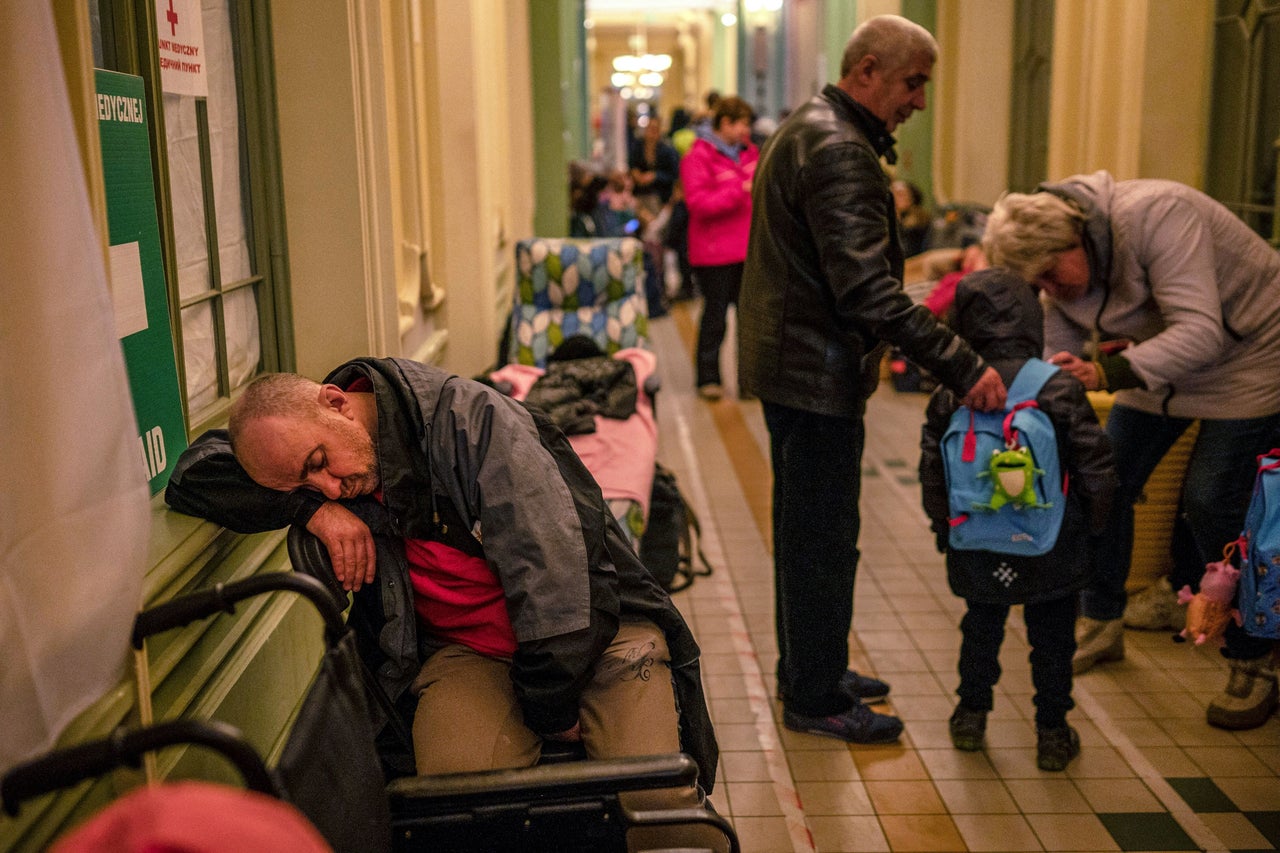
x=890, y=763
x=921, y=833
x=835, y=798
x=975, y=796
x=986, y=832
x=917, y=797
x=753, y=799
x=823, y=766
x=1099, y=762
x=1170, y=761
x=744, y=767
x=763, y=835
x=1235, y=831
x=1119, y=795
x=951, y=763
x=1251, y=793
x=1065, y=832
x=848, y=834
x=1047, y=796
x=1227, y=761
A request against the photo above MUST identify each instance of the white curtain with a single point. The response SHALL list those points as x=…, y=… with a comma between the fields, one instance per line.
x=74, y=508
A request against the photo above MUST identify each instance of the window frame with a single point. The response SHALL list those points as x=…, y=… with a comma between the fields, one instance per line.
x=129, y=45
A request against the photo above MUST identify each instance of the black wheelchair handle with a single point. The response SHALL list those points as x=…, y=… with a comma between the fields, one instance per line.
x=124, y=748
x=222, y=598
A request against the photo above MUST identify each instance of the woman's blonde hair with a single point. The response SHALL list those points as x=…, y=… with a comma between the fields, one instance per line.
x=1024, y=232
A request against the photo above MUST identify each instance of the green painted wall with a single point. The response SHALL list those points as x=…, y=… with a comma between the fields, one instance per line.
x=915, y=137
x=557, y=43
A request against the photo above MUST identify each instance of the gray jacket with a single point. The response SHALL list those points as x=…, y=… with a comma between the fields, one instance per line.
x=462, y=464
x=1191, y=285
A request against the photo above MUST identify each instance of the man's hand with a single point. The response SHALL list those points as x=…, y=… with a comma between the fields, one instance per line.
x=1085, y=371
x=573, y=735
x=349, y=542
x=988, y=393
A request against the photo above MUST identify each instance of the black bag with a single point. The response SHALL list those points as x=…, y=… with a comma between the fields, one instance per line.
x=673, y=537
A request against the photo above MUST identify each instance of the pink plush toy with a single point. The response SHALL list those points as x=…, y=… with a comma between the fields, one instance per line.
x=1209, y=610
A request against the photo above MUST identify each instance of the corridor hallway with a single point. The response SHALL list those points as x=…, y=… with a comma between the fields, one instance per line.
x=1152, y=775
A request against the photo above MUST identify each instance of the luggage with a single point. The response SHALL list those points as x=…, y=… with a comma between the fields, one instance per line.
x=1259, y=595
x=671, y=546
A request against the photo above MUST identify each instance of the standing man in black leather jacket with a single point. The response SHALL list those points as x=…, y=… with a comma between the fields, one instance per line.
x=821, y=294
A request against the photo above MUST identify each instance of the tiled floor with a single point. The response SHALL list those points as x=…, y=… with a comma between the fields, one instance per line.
x=1152, y=775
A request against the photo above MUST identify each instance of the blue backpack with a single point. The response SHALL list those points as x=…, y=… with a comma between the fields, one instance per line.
x=1260, y=552
x=1005, y=485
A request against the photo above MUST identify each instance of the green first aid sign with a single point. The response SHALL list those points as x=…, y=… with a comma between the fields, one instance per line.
x=138, y=291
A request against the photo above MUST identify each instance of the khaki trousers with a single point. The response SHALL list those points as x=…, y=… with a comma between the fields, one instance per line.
x=468, y=720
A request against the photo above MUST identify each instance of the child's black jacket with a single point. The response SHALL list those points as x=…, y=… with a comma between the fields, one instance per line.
x=1000, y=317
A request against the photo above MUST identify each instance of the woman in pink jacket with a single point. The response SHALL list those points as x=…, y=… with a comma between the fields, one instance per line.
x=716, y=176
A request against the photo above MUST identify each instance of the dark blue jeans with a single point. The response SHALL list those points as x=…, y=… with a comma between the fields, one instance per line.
x=1215, y=495
x=817, y=479
x=719, y=286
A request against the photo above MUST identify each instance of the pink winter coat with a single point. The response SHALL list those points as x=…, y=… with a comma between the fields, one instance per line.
x=718, y=194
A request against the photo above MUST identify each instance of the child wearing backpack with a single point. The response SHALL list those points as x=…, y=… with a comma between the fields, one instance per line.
x=999, y=315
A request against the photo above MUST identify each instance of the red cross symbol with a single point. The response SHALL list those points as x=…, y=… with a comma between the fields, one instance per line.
x=172, y=17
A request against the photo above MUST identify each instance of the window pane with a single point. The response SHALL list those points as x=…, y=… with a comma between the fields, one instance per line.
x=229, y=185
x=198, y=356
x=187, y=196
x=244, y=350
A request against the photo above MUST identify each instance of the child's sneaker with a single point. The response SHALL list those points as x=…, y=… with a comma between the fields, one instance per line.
x=859, y=724
x=1056, y=747
x=968, y=728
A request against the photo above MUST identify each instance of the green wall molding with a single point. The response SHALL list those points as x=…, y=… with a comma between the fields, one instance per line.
x=249, y=669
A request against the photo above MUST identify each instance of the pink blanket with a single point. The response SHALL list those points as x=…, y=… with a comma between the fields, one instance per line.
x=620, y=454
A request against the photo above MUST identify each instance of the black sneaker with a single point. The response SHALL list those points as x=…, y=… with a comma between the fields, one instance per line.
x=864, y=688
x=968, y=728
x=859, y=724
x=1056, y=747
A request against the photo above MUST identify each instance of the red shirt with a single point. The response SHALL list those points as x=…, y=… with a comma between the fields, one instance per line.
x=457, y=597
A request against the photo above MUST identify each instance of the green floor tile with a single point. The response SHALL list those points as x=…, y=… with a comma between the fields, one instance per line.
x=1147, y=831
x=1202, y=794
x=1268, y=823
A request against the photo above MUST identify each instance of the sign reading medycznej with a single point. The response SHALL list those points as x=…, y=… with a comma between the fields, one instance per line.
x=137, y=274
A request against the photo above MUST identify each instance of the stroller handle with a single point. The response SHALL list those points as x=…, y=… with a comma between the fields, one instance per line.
x=124, y=747
x=222, y=598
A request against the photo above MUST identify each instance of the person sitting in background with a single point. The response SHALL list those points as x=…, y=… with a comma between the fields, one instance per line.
x=654, y=165
x=913, y=218
x=1158, y=292
x=585, y=214
x=535, y=621
x=716, y=177
x=942, y=297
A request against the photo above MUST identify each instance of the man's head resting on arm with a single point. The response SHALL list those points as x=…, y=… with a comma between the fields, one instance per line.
x=289, y=432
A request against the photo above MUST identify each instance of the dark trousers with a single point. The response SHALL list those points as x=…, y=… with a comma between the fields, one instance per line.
x=817, y=478
x=719, y=286
x=1215, y=495
x=1051, y=634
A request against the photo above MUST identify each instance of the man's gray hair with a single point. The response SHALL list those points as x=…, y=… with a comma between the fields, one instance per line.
x=892, y=39
x=1024, y=232
x=272, y=395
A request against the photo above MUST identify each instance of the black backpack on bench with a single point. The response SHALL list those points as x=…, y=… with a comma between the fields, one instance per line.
x=671, y=546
